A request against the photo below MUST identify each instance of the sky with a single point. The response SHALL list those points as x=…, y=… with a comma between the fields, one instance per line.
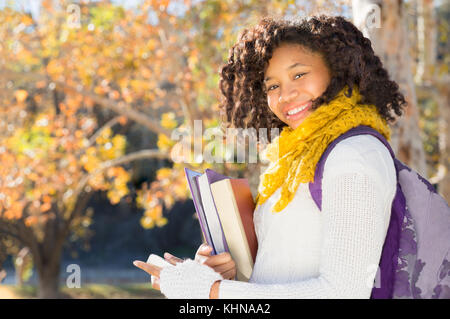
x=175, y=7
x=33, y=6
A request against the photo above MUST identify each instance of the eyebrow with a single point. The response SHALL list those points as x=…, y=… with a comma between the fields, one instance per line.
x=288, y=68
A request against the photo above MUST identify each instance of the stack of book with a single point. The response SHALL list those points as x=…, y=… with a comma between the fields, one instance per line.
x=225, y=207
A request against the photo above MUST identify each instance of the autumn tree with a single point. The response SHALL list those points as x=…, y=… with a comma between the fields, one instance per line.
x=406, y=35
x=54, y=151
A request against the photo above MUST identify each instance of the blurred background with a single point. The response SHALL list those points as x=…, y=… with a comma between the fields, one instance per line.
x=91, y=92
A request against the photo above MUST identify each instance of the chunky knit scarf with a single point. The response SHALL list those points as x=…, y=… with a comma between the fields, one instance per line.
x=293, y=155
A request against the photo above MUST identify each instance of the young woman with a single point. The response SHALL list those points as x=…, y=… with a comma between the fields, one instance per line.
x=314, y=79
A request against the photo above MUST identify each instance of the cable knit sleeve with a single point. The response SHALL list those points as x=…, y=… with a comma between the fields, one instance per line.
x=358, y=188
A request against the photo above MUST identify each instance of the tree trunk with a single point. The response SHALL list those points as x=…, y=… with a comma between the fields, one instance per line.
x=444, y=140
x=48, y=274
x=383, y=22
x=435, y=86
x=47, y=258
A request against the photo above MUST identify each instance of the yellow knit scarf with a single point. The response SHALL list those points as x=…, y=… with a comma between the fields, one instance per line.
x=293, y=155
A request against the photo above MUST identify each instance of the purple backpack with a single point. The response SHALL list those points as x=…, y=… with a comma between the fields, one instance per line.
x=415, y=260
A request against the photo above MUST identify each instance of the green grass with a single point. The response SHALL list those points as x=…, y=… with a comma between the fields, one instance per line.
x=94, y=291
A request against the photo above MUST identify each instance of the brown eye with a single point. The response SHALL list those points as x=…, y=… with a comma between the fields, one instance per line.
x=300, y=74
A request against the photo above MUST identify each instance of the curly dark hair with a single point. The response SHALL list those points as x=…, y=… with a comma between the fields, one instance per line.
x=344, y=49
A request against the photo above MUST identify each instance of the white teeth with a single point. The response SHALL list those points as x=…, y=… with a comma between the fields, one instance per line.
x=296, y=110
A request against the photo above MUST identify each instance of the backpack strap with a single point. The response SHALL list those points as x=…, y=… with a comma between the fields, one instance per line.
x=315, y=187
x=390, y=252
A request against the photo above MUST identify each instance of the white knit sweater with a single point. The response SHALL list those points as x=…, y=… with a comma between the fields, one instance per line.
x=333, y=253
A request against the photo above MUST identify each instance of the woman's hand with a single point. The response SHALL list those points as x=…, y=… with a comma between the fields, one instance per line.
x=153, y=270
x=187, y=279
x=221, y=263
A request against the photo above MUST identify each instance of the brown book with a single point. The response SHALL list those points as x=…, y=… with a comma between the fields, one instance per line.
x=235, y=206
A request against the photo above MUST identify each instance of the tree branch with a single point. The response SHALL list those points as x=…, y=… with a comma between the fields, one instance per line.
x=143, y=154
x=121, y=108
x=109, y=124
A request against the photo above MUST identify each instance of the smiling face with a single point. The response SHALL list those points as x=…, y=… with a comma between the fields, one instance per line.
x=294, y=77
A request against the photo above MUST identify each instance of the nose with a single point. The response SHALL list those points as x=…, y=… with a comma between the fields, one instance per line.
x=288, y=95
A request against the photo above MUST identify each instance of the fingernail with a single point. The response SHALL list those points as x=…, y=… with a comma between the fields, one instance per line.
x=167, y=255
x=206, y=247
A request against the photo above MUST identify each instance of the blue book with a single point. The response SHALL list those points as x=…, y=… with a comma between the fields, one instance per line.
x=199, y=185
